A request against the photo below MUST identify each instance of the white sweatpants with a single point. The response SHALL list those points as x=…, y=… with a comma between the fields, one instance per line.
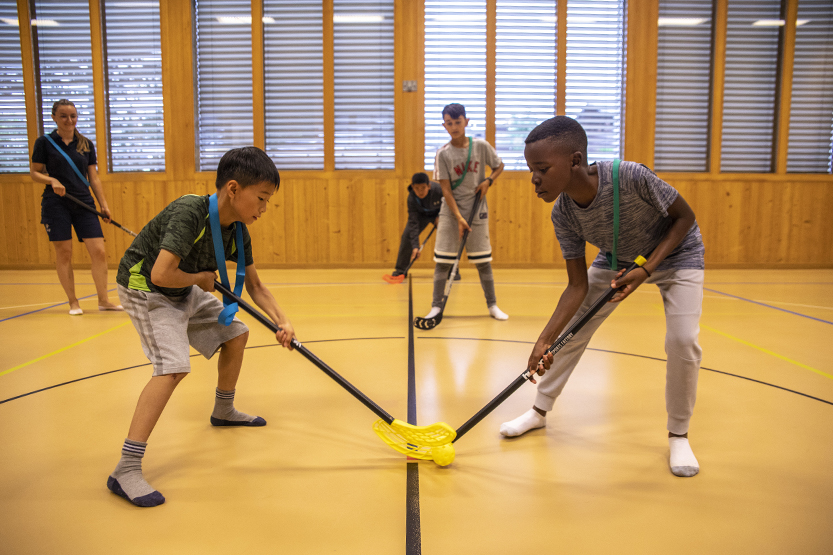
x=682, y=295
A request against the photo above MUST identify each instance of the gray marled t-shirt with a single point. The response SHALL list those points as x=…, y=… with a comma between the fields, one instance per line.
x=644, y=199
x=450, y=164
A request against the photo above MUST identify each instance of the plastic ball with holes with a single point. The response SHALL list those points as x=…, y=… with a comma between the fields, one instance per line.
x=443, y=455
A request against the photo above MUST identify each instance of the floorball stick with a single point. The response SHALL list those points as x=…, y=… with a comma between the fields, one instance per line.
x=430, y=323
x=96, y=212
x=401, y=277
x=420, y=442
x=562, y=340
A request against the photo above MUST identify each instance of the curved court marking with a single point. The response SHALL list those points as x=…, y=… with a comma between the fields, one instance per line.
x=769, y=306
x=48, y=307
x=644, y=356
x=62, y=349
x=191, y=356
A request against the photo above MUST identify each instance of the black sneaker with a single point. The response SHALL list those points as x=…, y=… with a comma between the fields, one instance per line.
x=458, y=277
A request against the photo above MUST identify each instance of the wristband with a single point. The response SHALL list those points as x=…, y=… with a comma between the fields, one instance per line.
x=646, y=270
x=491, y=181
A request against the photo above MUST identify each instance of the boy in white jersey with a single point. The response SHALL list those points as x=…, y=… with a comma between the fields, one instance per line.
x=656, y=222
x=460, y=167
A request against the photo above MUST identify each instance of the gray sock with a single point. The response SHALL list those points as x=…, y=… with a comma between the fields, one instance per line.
x=440, y=277
x=226, y=415
x=487, y=282
x=127, y=480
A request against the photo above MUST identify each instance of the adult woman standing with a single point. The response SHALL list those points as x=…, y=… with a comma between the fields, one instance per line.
x=59, y=215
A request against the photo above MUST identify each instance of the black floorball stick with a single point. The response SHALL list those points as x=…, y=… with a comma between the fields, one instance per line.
x=559, y=343
x=430, y=323
x=422, y=442
x=401, y=277
x=96, y=212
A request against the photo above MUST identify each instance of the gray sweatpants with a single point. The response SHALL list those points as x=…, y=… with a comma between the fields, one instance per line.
x=682, y=296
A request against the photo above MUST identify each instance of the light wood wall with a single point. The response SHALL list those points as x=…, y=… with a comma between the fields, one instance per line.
x=355, y=218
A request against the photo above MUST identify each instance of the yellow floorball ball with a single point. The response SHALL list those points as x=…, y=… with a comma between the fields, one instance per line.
x=443, y=455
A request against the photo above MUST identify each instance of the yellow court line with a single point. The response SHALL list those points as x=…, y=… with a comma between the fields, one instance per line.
x=62, y=349
x=767, y=351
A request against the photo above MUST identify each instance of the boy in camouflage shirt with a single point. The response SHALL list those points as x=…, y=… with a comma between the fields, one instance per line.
x=156, y=279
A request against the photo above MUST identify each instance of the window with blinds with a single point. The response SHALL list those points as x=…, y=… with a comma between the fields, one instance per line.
x=525, y=62
x=64, y=55
x=14, y=141
x=595, y=56
x=223, y=44
x=363, y=79
x=684, y=69
x=134, y=85
x=753, y=40
x=455, y=68
x=811, y=105
x=294, y=84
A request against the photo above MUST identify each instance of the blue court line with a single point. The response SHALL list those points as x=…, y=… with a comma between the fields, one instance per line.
x=769, y=306
x=51, y=306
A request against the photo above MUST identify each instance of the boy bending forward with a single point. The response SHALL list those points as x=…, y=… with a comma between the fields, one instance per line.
x=654, y=220
x=156, y=279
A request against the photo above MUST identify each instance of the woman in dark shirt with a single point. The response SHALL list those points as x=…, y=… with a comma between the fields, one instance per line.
x=59, y=215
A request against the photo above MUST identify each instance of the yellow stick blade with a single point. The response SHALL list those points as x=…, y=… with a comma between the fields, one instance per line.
x=419, y=442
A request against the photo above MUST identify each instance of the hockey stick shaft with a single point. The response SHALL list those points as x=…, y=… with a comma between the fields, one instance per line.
x=559, y=343
x=453, y=272
x=365, y=400
x=422, y=246
x=97, y=213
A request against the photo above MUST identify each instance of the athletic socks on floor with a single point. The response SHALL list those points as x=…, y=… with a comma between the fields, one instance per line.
x=682, y=461
x=497, y=313
x=127, y=480
x=226, y=415
x=529, y=420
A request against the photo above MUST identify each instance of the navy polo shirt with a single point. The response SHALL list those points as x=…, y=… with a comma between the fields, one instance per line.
x=59, y=168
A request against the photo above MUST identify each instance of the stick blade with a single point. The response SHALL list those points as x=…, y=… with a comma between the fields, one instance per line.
x=428, y=323
x=433, y=443
x=393, y=280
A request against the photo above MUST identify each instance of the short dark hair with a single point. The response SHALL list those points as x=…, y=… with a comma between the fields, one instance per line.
x=455, y=111
x=420, y=178
x=248, y=166
x=563, y=131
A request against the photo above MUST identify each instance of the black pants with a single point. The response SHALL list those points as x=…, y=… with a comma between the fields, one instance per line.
x=405, y=247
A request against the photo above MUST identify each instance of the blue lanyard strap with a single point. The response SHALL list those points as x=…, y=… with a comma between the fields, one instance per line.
x=68, y=159
x=229, y=309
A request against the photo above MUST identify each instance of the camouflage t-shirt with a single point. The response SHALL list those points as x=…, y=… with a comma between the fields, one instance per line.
x=183, y=229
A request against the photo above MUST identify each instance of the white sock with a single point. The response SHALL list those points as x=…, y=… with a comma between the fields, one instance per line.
x=529, y=420
x=683, y=462
x=497, y=313
x=434, y=311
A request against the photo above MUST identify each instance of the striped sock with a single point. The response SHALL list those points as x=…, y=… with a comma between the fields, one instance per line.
x=127, y=480
x=226, y=415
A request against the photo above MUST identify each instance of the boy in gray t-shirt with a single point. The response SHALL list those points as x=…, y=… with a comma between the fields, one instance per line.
x=460, y=184
x=655, y=222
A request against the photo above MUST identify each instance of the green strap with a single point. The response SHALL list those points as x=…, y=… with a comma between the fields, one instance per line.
x=466, y=169
x=613, y=265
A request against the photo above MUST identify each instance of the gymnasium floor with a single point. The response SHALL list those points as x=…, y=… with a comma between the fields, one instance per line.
x=318, y=480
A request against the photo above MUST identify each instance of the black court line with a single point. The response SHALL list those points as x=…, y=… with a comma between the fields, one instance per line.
x=51, y=306
x=649, y=358
x=192, y=356
x=413, y=530
x=769, y=306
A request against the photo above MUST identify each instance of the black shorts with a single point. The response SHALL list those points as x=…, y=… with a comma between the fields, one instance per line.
x=59, y=216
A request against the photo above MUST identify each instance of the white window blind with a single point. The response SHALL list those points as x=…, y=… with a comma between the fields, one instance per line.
x=363, y=68
x=134, y=85
x=684, y=67
x=224, y=78
x=811, y=110
x=14, y=143
x=525, y=60
x=455, y=68
x=294, y=84
x=65, y=59
x=753, y=39
x=595, y=56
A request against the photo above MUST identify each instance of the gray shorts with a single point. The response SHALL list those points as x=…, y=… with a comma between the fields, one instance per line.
x=167, y=325
x=478, y=247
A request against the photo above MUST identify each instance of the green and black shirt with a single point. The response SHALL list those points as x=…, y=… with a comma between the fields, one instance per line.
x=183, y=229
